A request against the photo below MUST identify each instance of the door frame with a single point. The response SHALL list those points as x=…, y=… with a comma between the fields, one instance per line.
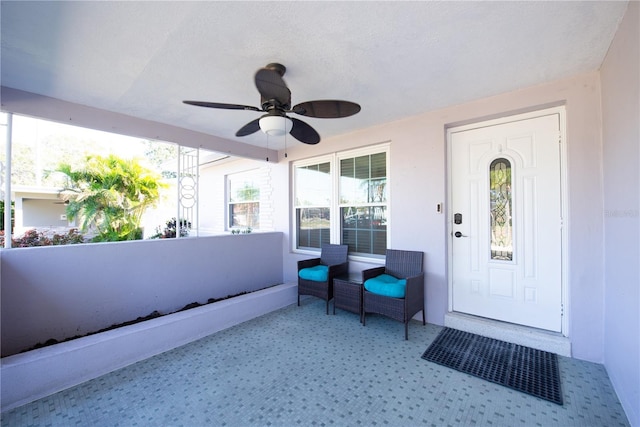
x=564, y=205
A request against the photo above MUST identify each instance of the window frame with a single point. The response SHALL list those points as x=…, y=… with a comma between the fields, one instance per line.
x=294, y=217
x=334, y=159
x=255, y=178
x=493, y=253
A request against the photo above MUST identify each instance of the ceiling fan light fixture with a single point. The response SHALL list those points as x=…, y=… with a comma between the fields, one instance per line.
x=276, y=125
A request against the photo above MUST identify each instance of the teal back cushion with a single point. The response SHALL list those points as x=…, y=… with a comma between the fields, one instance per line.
x=386, y=285
x=318, y=273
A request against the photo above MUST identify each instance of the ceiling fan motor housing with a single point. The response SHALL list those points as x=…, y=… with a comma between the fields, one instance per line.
x=278, y=68
x=270, y=104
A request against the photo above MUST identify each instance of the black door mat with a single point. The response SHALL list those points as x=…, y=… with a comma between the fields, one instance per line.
x=521, y=368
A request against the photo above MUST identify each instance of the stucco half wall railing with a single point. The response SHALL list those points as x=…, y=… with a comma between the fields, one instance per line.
x=60, y=292
x=66, y=291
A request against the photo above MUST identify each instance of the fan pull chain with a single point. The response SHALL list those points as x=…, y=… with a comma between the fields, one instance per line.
x=285, y=145
x=267, y=147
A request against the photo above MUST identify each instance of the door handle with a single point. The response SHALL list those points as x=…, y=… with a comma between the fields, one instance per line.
x=459, y=234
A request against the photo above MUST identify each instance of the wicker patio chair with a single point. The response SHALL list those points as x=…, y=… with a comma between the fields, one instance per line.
x=332, y=256
x=401, y=265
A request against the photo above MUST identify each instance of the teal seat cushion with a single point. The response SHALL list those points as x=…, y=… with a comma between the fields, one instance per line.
x=386, y=285
x=318, y=273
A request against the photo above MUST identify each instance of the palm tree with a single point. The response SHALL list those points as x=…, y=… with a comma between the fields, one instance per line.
x=110, y=194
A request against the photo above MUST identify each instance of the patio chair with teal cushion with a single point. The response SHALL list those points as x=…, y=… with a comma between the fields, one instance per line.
x=397, y=289
x=315, y=276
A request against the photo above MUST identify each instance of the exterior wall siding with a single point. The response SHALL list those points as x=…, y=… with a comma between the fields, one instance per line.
x=620, y=76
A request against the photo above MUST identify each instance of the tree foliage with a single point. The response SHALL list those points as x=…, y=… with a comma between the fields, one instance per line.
x=163, y=156
x=33, y=161
x=13, y=214
x=109, y=195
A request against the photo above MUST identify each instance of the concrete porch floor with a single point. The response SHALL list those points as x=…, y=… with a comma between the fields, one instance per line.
x=299, y=366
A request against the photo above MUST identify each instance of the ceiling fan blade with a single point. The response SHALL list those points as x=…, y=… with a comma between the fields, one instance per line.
x=222, y=106
x=271, y=86
x=327, y=109
x=249, y=128
x=303, y=132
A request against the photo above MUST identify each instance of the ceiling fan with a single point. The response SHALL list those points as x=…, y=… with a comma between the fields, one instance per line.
x=275, y=100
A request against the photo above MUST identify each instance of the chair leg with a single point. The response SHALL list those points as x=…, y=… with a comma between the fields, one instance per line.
x=424, y=320
x=406, y=330
x=327, y=307
x=298, y=300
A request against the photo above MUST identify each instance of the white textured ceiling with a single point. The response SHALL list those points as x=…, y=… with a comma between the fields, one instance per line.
x=396, y=59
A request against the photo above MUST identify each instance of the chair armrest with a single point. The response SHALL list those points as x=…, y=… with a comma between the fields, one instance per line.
x=338, y=269
x=415, y=288
x=306, y=263
x=372, y=272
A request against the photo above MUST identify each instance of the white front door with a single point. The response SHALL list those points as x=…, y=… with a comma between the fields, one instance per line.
x=506, y=219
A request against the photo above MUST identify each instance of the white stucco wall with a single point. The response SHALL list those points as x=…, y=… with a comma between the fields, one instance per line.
x=43, y=213
x=620, y=76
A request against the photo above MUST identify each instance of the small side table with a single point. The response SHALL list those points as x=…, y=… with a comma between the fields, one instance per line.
x=347, y=293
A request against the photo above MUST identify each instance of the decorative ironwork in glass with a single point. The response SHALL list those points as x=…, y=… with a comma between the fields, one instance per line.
x=188, y=164
x=501, y=223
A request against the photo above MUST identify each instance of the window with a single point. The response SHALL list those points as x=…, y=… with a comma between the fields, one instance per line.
x=244, y=200
x=500, y=210
x=313, y=204
x=363, y=200
x=350, y=187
